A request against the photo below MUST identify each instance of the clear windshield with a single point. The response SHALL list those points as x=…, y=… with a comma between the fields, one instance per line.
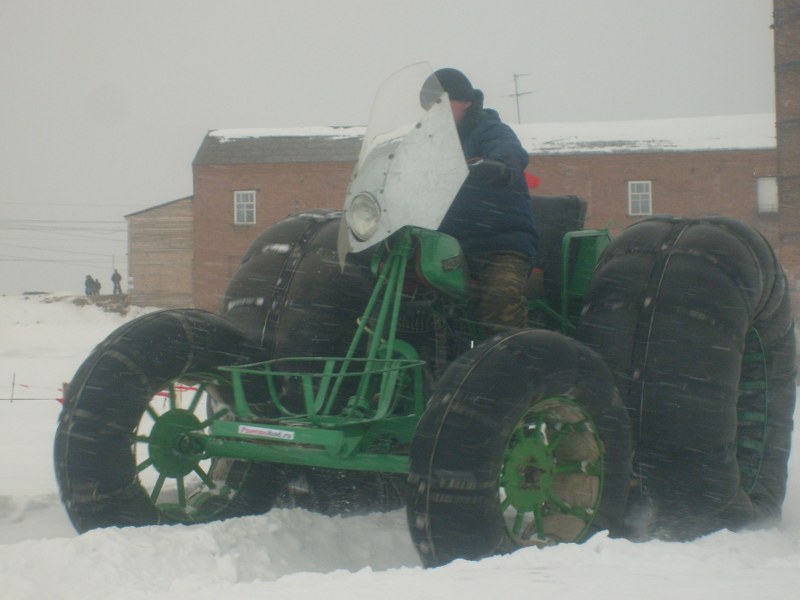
x=396, y=107
x=411, y=164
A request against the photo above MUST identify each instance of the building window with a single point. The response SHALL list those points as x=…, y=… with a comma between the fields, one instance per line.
x=640, y=198
x=767, y=188
x=244, y=208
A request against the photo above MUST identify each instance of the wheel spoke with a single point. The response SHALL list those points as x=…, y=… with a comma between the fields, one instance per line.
x=519, y=522
x=579, y=512
x=157, y=488
x=152, y=412
x=559, y=503
x=538, y=519
x=172, y=397
x=144, y=464
x=560, y=435
x=181, y=491
x=217, y=415
x=205, y=477
x=578, y=466
x=201, y=389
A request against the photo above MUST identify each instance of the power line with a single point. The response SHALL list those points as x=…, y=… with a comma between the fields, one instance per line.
x=60, y=225
x=60, y=250
x=25, y=203
x=62, y=221
x=74, y=263
x=84, y=234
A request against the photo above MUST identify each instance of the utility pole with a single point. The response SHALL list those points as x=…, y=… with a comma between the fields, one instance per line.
x=517, y=93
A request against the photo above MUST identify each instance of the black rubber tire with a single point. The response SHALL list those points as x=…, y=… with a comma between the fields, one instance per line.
x=95, y=462
x=290, y=294
x=685, y=312
x=465, y=435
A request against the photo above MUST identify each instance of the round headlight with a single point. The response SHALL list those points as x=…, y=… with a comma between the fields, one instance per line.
x=364, y=216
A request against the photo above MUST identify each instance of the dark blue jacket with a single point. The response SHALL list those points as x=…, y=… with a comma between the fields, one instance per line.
x=484, y=218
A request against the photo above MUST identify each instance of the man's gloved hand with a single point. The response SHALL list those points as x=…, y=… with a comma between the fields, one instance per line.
x=491, y=172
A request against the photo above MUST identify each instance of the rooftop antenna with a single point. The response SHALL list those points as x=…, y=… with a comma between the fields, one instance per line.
x=517, y=93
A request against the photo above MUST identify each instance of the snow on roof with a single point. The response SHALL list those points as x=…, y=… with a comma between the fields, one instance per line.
x=227, y=135
x=733, y=132
x=736, y=132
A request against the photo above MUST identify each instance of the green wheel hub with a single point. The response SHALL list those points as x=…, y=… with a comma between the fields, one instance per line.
x=552, y=476
x=171, y=450
x=181, y=480
x=529, y=474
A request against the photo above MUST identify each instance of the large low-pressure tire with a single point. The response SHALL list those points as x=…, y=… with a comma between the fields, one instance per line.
x=290, y=293
x=525, y=441
x=693, y=318
x=146, y=384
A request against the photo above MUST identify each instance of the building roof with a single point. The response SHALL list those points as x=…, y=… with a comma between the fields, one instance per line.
x=342, y=144
x=258, y=146
x=735, y=132
x=158, y=206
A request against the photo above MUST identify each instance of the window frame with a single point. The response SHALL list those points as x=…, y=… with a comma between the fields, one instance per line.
x=767, y=205
x=244, y=205
x=640, y=197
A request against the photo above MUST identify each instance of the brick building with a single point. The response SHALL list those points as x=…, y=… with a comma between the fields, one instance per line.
x=786, y=25
x=160, y=254
x=245, y=180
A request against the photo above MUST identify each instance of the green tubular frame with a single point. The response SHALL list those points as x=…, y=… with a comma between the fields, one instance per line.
x=368, y=430
x=359, y=411
x=587, y=245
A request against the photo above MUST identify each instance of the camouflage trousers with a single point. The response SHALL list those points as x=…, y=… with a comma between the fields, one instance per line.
x=500, y=279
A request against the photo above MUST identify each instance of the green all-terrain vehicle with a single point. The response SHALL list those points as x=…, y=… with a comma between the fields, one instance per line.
x=652, y=395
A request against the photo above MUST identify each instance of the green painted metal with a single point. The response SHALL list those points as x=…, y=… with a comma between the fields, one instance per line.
x=168, y=435
x=532, y=479
x=174, y=455
x=321, y=381
x=585, y=246
x=359, y=411
x=334, y=449
x=580, y=251
x=441, y=263
x=752, y=412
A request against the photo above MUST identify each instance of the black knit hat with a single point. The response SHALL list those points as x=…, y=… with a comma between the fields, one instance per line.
x=456, y=84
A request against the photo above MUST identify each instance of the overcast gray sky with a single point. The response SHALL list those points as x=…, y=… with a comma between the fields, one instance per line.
x=104, y=103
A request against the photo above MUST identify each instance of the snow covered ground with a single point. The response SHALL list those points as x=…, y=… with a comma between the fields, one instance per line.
x=294, y=553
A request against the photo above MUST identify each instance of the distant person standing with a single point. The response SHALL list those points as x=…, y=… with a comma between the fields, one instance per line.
x=88, y=284
x=116, y=278
x=97, y=287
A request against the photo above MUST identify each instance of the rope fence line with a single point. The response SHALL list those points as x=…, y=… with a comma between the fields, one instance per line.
x=60, y=399
x=15, y=385
x=31, y=399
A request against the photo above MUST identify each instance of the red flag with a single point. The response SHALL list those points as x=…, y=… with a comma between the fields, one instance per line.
x=533, y=180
